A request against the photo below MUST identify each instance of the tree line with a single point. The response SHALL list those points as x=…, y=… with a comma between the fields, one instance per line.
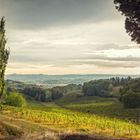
x=104, y=87
x=128, y=90
x=40, y=93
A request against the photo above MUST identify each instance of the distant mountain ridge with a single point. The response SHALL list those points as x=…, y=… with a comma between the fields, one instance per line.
x=60, y=80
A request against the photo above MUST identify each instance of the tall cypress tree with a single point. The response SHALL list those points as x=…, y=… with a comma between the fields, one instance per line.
x=4, y=55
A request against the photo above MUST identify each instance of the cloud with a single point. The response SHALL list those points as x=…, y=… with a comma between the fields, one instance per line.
x=67, y=36
x=56, y=55
x=36, y=14
x=108, y=64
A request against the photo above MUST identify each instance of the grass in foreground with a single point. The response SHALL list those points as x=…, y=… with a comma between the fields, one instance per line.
x=56, y=118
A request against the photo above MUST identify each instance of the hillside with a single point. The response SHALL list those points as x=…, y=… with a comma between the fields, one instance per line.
x=91, y=111
x=109, y=107
x=68, y=71
x=60, y=80
x=80, y=115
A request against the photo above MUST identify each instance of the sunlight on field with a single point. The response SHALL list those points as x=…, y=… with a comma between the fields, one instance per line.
x=59, y=119
x=109, y=107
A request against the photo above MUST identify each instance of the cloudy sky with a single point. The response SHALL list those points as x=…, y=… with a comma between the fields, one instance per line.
x=68, y=37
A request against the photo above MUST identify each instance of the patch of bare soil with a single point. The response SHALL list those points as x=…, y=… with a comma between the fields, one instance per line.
x=9, y=132
x=55, y=136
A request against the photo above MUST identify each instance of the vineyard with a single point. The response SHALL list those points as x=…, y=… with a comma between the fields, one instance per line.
x=109, y=107
x=74, y=118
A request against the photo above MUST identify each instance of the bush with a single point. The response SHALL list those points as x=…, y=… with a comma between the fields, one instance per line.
x=15, y=99
x=131, y=100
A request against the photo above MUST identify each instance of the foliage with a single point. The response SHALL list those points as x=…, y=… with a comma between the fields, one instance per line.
x=97, y=88
x=133, y=85
x=57, y=92
x=120, y=81
x=40, y=93
x=36, y=92
x=131, y=99
x=130, y=8
x=15, y=99
x=4, y=54
x=104, y=87
x=130, y=94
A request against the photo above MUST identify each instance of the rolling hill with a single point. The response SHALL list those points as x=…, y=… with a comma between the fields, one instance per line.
x=60, y=80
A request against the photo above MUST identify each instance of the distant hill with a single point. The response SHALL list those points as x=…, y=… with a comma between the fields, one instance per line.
x=60, y=80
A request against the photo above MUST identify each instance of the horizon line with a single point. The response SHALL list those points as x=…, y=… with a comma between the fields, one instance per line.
x=70, y=74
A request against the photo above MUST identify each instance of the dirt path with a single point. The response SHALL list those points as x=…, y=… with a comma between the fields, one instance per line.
x=55, y=136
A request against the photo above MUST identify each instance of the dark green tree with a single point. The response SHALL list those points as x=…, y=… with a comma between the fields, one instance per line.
x=35, y=92
x=97, y=88
x=57, y=92
x=4, y=55
x=131, y=10
x=131, y=99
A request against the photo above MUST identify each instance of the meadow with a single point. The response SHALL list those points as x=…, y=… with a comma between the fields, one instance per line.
x=105, y=107
x=75, y=114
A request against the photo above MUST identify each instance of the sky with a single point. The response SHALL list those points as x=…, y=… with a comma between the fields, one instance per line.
x=68, y=37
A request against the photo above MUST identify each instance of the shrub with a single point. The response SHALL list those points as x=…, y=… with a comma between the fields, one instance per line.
x=15, y=99
x=131, y=100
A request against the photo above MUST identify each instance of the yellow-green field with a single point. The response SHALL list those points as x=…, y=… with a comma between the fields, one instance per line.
x=90, y=115
x=108, y=107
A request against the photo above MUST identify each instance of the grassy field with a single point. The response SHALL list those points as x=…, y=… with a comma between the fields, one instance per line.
x=71, y=114
x=106, y=107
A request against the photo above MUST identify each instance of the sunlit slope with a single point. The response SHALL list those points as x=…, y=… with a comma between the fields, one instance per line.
x=108, y=107
x=58, y=119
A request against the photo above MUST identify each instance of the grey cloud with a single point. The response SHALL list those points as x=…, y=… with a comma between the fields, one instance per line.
x=102, y=57
x=108, y=63
x=62, y=55
x=102, y=47
x=87, y=48
x=105, y=61
x=43, y=13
